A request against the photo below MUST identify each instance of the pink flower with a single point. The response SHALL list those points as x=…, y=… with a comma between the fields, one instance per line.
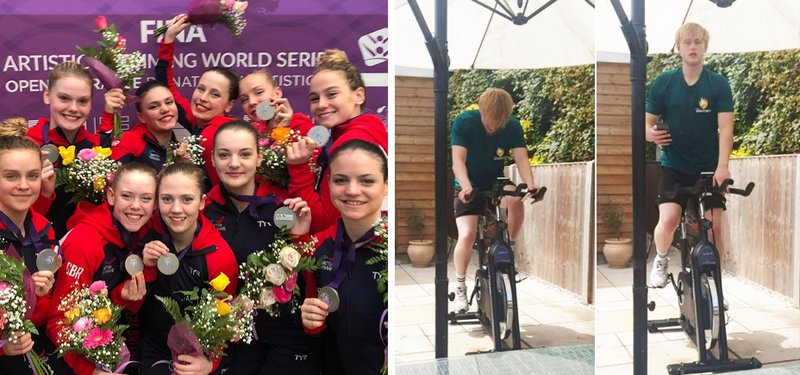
x=97, y=337
x=230, y=4
x=82, y=324
x=86, y=154
x=98, y=287
x=121, y=42
x=3, y=319
x=290, y=283
x=102, y=23
x=263, y=142
x=4, y=286
x=111, y=176
x=281, y=295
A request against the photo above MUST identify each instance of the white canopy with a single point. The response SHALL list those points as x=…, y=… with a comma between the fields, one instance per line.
x=745, y=26
x=561, y=35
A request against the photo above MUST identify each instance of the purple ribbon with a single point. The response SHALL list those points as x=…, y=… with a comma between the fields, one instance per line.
x=256, y=201
x=344, y=269
x=167, y=239
x=383, y=323
x=32, y=238
x=126, y=360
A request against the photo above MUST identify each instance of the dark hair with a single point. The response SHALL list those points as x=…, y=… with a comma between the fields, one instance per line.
x=11, y=143
x=186, y=168
x=66, y=69
x=145, y=88
x=360, y=144
x=336, y=60
x=233, y=80
x=236, y=125
x=133, y=166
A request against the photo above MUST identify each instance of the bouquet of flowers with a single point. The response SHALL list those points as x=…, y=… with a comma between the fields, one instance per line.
x=90, y=328
x=270, y=276
x=111, y=65
x=189, y=148
x=380, y=245
x=229, y=13
x=209, y=323
x=273, y=150
x=87, y=175
x=17, y=301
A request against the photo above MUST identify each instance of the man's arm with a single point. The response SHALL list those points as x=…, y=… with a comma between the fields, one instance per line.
x=460, y=171
x=725, y=121
x=520, y=155
x=659, y=137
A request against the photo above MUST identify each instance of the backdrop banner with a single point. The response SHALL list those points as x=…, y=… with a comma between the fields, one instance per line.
x=283, y=37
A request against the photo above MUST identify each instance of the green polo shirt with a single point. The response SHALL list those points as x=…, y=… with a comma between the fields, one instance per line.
x=691, y=112
x=485, y=152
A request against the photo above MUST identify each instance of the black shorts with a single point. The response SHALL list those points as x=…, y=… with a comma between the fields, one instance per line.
x=670, y=177
x=476, y=207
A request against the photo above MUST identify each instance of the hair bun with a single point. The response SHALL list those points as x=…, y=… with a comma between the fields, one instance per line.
x=333, y=56
x=14, y=127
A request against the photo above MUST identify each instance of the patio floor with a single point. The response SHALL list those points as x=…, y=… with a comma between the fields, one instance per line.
x=762, y=324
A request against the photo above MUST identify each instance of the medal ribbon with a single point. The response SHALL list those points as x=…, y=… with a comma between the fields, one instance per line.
x=340, y=268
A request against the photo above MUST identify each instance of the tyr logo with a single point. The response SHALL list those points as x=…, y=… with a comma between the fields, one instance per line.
x=376, y=275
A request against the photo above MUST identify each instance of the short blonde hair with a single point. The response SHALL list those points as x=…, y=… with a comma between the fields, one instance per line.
x=496, y=104
x=691, y=30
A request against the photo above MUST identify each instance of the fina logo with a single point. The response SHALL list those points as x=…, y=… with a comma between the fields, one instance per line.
x=374, y=47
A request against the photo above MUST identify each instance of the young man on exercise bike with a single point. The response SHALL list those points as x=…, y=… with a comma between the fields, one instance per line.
x=480, y=140
x=697, y=106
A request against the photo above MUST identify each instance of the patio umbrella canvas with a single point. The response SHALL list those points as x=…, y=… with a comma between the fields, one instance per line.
x=745, y=26
x=561, y=35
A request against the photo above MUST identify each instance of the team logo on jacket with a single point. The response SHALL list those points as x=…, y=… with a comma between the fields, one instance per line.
x=702, y=106
x=327, y=263
x=218, y=224
x=155, y=156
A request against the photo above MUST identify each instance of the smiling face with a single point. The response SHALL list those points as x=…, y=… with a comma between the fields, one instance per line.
x=70, y=101
x=357, y=185
x=332, y=100
x=236, y=159
x=180, y=202
x=20, y=181
x=133, y=199
x=159, y=111
x=255, y=89
x=211, y=97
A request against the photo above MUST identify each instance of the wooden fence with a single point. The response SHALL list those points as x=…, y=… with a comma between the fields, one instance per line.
x=557, y=240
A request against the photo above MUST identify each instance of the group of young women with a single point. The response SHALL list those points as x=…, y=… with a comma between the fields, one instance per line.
x=212, y=218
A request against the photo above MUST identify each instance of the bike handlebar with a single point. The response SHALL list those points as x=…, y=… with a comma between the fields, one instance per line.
x=520, y=191
x=702, y=185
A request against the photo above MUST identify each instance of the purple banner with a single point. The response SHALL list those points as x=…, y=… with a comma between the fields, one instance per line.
x=286, y=42
x=112, y=7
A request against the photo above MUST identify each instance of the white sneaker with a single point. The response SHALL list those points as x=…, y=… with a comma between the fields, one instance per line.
x=460, y=304
x=658, y=275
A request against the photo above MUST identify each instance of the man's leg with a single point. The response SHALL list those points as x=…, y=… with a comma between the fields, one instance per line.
x=467, y=226
x=516, y=215
x=669, y=215
x=715, y=234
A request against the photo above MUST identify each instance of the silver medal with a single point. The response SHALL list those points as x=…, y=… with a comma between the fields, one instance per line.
x=133, y=264
x=319, y=134
x=168, y=264
x=265, y=111
x=52, y=152
x=46, y=260
x=329, y=296
x=284, y=217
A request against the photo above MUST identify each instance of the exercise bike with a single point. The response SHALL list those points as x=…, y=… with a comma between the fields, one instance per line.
x=495, y=279
x=699, y=284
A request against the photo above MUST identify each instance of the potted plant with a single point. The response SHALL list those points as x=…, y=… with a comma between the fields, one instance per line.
x=617, y=249
x=420, y=251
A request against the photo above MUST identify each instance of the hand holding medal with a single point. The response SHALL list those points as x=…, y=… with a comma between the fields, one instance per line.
x=155, y=253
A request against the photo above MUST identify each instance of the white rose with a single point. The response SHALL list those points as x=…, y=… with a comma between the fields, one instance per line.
x=267, y=299
x=275, y=274
x=289, y=257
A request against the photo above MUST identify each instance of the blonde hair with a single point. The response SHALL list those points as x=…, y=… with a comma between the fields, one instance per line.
x=691, y=30
x=336, y=60
x=496, y=104
x=66, y=69
x=263, y=72
x=14, y=127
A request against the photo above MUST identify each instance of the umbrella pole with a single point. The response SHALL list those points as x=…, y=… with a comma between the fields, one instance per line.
x=635, y=36
x=437, y=47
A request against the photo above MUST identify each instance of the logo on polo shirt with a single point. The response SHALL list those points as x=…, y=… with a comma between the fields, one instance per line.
x=702, y=106
x=499, y=153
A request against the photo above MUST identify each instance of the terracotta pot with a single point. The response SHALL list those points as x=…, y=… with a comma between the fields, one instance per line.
x=618, y=252
x=420, y=252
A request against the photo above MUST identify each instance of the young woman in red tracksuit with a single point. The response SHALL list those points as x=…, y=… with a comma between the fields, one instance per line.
x=338, y=96
x=28, y=233
x=211, y=100
x=354, y=341
x=69, y=97
x=149, y=140
x=98, y=243
x=203, y=255
x=245, y=220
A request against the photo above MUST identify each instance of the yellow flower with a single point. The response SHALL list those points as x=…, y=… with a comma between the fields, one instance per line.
x=220, y=282
x=223, y=308
x=99, y=184
x=279, y=134
x=67, y=154
x=102, y=316
x=102, y=152
x=72, y=314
